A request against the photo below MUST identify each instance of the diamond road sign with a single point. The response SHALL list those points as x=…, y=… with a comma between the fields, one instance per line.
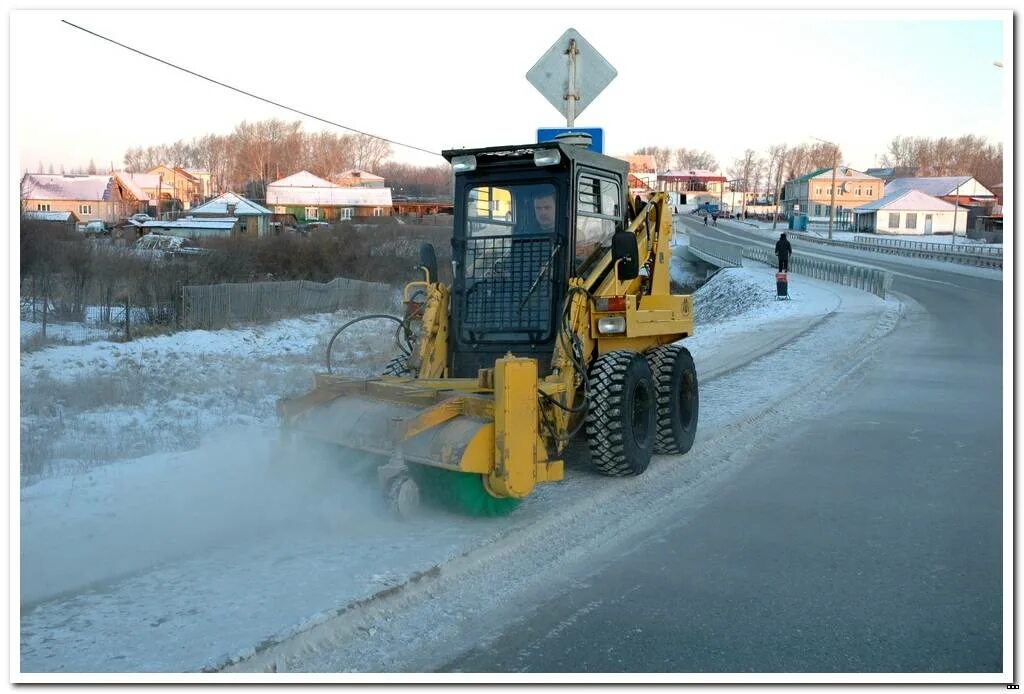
x=553, y=73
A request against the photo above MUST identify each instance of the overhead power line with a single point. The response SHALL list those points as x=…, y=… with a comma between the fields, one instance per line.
x=242, y=91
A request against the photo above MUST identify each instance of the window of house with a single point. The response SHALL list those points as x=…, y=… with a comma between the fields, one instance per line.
x=870, y=190
x=817, y=191
x=911, y=220
x=894, y=220
x=85, y=209
x=241, y=225
x=817, y=210
x=43, y=207
x=858, y=191
x=348, y=212
x=312, y=213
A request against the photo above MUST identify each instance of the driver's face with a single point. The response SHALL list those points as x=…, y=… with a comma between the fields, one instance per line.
x=544, y=208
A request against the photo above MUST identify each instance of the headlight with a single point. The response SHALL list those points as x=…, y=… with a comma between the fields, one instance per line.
x=611, y=326
x=546, y=157
x=466, y=162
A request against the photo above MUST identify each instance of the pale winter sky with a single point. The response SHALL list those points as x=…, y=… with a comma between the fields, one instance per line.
x=715, y=80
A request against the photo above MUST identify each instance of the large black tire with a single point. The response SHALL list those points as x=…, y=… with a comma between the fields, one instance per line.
x=621, y=416
x=398, y=366
x=678, y=400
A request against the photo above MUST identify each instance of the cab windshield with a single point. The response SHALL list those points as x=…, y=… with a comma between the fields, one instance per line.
x=509, y=263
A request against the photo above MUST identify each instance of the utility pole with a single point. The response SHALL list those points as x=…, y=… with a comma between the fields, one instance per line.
x=832, y=203
x=775, y=193
x=835, y=163
x=956, y=207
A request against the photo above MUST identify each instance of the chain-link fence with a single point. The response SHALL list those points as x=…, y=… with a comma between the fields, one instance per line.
x=221, y=305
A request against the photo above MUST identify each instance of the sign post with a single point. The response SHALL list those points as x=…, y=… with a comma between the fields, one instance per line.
x=570, y=75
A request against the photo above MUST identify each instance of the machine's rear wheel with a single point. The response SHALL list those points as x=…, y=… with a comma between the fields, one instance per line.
x=678, y=403
x=621, y=417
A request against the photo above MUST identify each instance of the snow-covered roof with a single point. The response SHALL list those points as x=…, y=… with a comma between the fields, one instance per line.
x=222, y=223
x=141, y=180
x=692, y=173
x=843, y=173
x=65, y=187
x=360, y=174
x=133, y=185
x=937, y=185
x=51, y=216
x=303, y=188
x=219, y=205
x=174, y=170
x=906, y=200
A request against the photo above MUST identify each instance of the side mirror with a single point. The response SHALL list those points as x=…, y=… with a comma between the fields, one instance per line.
x=624, y=248
x=428, y=260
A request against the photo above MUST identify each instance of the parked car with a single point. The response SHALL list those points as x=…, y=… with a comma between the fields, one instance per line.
x=141, y=217
x=96, y=226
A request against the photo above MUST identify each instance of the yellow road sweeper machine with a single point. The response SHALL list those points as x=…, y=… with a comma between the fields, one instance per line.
x=559, y=324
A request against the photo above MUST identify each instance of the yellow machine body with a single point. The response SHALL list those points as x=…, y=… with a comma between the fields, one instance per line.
x=508, y=425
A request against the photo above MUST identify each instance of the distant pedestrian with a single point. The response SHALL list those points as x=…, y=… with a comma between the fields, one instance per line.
x=714, y=220
x=705, y=220
x=783, y=249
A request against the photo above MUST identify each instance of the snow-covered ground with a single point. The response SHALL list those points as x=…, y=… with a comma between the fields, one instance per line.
x=167, y=536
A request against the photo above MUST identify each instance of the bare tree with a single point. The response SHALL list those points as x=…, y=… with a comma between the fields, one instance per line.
x=370, y=151
x=92, y=167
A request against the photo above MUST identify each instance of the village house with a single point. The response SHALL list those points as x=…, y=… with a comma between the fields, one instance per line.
x=177, y=184
x=976, y=203
x=909, y=212
x=103, y=197
x=695, y=186
x=811, y=194
x=205, y=179
x=150, y=185
x=311, y=198
x=252, y=218
x=64, y=220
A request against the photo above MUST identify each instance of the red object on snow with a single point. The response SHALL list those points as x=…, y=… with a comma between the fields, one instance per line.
x=781, y=285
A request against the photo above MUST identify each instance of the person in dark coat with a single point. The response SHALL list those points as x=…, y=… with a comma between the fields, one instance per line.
x=783, y=250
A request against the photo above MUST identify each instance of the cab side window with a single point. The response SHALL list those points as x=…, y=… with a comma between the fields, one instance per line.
x=597, y=211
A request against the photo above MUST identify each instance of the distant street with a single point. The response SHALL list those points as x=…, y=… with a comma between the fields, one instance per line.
x=866, y=540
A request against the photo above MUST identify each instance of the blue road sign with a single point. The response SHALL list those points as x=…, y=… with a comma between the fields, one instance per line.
x=596, y=135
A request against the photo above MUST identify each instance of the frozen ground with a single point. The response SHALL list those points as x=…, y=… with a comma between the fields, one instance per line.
x=199, y=547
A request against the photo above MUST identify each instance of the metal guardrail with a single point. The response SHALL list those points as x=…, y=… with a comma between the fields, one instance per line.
x=871, y=280
x=720, y=253
x=964, y=258
x=725, y=254
x=975, y=248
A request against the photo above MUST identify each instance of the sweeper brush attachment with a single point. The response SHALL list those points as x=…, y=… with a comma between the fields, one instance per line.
x=469, y=445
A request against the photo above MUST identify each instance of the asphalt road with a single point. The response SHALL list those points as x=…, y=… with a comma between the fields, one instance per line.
x=867, y=540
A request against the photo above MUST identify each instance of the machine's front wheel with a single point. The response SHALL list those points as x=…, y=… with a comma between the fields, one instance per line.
x=621, y=417
x=676, y=380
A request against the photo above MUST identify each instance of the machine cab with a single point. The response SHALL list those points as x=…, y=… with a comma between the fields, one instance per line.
x=527, y=219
